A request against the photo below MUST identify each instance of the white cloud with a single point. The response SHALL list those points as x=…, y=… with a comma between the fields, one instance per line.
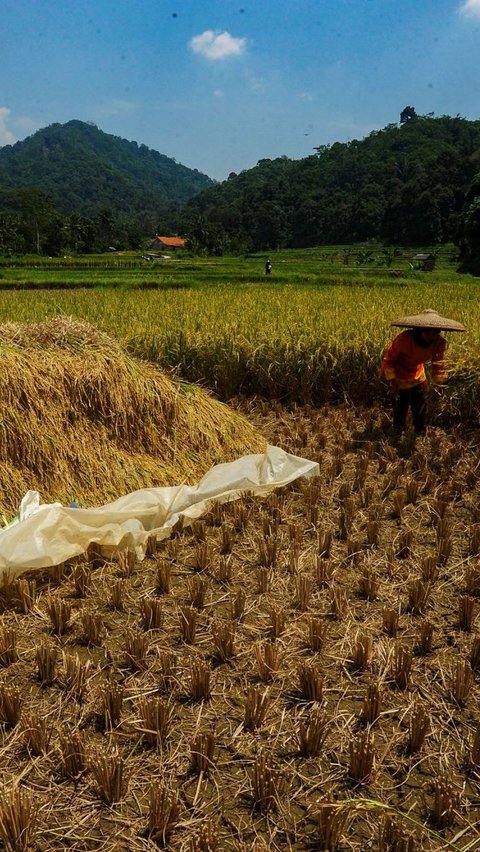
x=213, y=44
x=306, y=96
x=6, y=136
x=218, y=93
x=470, y=8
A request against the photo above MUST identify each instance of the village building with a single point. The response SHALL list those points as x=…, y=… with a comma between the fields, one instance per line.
x=167, y=243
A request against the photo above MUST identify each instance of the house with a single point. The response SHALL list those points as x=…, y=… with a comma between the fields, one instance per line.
x=424, y=261
x=169, y=243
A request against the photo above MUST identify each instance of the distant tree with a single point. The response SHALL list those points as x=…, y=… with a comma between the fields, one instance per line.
x=407, y=114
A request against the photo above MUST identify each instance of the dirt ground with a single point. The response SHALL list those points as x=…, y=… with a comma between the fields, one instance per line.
x=317, y=647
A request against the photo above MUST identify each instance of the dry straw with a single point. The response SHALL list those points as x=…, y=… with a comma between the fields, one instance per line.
x=18, y=817
x=68, y=371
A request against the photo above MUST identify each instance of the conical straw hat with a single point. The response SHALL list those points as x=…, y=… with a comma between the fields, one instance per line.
x=429, y=319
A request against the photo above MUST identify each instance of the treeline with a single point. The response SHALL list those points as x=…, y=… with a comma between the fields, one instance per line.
x=405, y=184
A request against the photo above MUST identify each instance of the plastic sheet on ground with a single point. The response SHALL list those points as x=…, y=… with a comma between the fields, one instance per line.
x=46, y=535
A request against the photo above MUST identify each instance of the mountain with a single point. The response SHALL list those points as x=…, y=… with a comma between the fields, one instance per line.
x=406, y=184
x=85, y=171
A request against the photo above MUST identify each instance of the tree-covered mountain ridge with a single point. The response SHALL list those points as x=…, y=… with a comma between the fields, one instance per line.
x=85, y=170
x=407, y=183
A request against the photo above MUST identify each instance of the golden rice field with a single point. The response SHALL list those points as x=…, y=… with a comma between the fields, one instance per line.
x=316, y=339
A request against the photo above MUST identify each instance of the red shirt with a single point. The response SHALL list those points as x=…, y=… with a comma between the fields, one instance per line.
x=404, y=359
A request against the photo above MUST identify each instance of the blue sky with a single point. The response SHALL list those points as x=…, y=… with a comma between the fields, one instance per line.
x=221, y=84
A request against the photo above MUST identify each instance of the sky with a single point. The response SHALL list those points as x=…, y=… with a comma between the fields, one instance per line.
x=221, y=84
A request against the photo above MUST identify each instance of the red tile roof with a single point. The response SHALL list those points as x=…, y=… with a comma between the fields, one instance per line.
x=174, y=242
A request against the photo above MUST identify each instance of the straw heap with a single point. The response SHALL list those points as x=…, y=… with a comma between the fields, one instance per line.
x=84, y=420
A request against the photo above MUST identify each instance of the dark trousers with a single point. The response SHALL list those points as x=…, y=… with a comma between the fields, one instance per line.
x=413, y=398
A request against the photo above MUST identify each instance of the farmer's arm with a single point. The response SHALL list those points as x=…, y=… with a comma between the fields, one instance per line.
x=389, y=360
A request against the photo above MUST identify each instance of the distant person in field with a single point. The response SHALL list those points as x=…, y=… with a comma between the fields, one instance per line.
x=403, y=365
x=268, y=268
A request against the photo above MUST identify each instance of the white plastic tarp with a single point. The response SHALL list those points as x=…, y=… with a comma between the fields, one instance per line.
x=49, y=534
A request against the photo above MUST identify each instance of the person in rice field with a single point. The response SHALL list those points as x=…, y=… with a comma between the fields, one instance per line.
x=403, y=365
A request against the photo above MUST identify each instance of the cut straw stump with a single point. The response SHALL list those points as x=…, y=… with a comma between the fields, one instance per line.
x=18, y=817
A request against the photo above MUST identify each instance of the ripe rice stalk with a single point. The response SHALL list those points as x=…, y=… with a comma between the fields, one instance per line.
x=444, y=550
x=224, y=572
x=393, y=837
x=82, y=579
x=446, y=801
x=401, y=666
x=188, y=624
x=228, y=540
x=27, y=593
x=257, y=705
x=197, y=589
x=237, y=605
x=268, y=551
x=368, y=583
x=361, y=651
x=411, y=491
x=268, y=661
x=373, y=532
x=117, y=600
x=263, y=576
x=108, y=771
x=202, y=752
x=312, y=735
x=429, y=569
x=425, y=638
x=324, y=543
x=8, y=646
x=207, y=838
x=111, y=698
x=338, y=603
x=418, y=728
x=154, y=718
x=474, y=658
x=474, y=540
x=151, y=613
x=317, y=631
x=372, y=704
x=303, y=589
x=163, y=814
x=223, y=634
x=475, y=749
x=163, y=577
x=460, y=682
x=75, y=675
x=73, y=757
x=127, y=560
x=472, y=579
x=418, y=595
x=330, y=824
x=354, y=551
x=59, y=613
x=362, y=756
x=46, y=660
x=136, y=650
x=199, y=529
x=18, y=819
x=278, y=617
x=403, y=548
x=390, y=621
x=324, y=572
x=346, y=518
x=310, y=682
x=267, y=785
x=202, y=557
x=466, y=613
x=10, y=705
x=200, y=676
x=36, y=731
x=168, y=670
x=398, y=503
x=93, y=628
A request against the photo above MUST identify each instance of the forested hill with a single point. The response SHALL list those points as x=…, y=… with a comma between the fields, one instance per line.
x=85, y=171
x=406, y=183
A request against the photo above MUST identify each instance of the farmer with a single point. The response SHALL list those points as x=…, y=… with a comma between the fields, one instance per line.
x=268, y=268
x=403, y=365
